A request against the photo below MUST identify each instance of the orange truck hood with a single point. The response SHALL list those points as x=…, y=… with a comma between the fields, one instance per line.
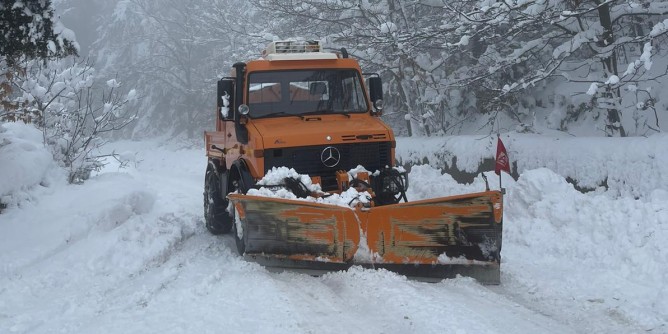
x=320, y=130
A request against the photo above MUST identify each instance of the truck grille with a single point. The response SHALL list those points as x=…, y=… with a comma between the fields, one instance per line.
x=306, y=160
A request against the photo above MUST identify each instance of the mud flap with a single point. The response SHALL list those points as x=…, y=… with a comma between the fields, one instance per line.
x=297, y=234
x=437, y=238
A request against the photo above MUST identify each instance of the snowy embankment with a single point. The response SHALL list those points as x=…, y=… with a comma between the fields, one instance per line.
x=596, y=254
x=24, y=163
x=127, y=251
x=628, y=166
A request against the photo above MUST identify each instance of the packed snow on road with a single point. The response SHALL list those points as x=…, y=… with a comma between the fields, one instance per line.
x=127, y=251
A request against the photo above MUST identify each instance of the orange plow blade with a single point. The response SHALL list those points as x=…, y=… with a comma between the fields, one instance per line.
x=437, y=238
x=428, y=240
x=299, y=235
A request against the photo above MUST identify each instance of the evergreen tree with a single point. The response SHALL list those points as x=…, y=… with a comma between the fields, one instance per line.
x=29, y=30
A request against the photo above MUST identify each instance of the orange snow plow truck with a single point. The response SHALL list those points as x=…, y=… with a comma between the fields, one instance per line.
x=309, y=111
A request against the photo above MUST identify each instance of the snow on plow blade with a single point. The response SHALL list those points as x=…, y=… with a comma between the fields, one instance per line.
x=428, y=240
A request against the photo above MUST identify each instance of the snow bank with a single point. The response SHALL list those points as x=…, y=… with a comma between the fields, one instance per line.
x=563, y=248
x=73, y=216
x=588, y=246
x=439, y=151
x=579, y=255
x=25, y=162
x=628, y=166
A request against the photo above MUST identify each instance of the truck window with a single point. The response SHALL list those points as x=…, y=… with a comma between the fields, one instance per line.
x=299, y=92
x=264, y=92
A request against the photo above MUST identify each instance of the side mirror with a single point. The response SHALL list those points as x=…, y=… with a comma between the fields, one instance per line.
x=225, y=98
x=376, y=91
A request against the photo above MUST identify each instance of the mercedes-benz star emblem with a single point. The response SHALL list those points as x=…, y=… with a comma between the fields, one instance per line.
x=330, y=156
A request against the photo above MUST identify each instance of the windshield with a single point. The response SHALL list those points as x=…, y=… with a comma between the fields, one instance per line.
x=298, y=92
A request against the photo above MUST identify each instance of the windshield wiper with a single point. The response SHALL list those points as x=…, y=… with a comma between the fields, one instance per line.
x=303, y=115
x=326, y=112
x=281, y=113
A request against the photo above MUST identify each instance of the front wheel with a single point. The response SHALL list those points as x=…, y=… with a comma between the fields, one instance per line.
x=218, y=220
x=238, y=226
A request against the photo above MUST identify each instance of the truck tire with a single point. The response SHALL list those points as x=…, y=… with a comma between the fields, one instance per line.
x=239, y=234
x=240, y=181
x=218, y=220
x=238, y=227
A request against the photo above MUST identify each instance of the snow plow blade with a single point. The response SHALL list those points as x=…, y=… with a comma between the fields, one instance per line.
x=438, y=238
x=299, y=235
x=427, y=240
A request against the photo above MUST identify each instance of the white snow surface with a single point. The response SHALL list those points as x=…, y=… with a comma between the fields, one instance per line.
x=127, y=252
x=25, y=163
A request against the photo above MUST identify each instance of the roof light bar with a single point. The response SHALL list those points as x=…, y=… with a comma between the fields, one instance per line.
x=279, y=47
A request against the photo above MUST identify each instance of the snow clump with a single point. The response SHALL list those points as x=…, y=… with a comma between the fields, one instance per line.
x=271, y=185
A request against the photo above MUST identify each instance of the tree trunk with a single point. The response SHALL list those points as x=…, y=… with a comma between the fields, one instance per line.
x=610, y=64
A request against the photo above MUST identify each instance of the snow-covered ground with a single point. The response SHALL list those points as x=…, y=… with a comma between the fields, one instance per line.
x=127, y=252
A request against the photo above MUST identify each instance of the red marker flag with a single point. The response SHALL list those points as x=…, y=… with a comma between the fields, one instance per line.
x=502, y=161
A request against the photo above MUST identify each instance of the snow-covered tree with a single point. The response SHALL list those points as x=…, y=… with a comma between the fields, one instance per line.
x=28, y=31
x=403, y=41
x=516, y=46
x=73, y=112
x=174, y=51
x=39, y=85
x=448, y=66
x=238, y=31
